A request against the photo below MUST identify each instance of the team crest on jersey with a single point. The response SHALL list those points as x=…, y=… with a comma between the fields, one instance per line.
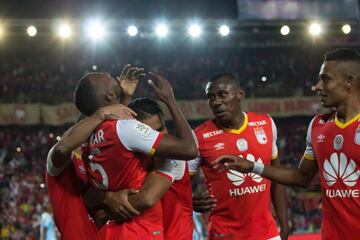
x=242, y=144
x=142, y=128
x=338, y=142
x=260, y=135
x=357, y=136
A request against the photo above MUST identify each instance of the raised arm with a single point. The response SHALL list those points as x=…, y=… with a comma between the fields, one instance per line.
x=181, y=146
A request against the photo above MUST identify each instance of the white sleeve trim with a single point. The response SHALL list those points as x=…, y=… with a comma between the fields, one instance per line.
x=173, y=168
x=194, y=164
x=309, y=151
x=136, y=136
x=51, y=169
x=274, y=149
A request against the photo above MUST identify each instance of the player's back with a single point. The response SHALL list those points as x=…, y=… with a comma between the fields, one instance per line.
x=177, y=209
x=70, y=213
x=112, y=167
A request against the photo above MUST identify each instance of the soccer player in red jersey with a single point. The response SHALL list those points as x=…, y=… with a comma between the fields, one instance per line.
x=66, y=180
x=332, y=147
x=114, y=151
x=243, y=208
x=177, y=201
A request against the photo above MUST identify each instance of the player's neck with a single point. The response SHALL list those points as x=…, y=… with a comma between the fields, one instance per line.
x=348, y=110
x=234, y=123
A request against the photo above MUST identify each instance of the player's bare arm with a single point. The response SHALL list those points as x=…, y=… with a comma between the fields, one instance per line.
x=278, y=197
x=181, y=146
x=125, y=204
x=77, y=134
x=301, y=176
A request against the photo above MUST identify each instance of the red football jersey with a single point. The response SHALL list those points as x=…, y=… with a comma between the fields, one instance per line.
x=177, y=208
x=113, y=164
x=243, y=200
x=336, y=148
x=70, y=214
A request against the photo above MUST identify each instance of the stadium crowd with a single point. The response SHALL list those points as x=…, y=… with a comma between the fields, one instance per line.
x=265, y=73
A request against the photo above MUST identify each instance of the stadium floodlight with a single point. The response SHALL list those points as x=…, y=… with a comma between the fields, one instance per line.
x=346, y=29
x=194, y=30
x=224, y=30
x=284, y=30
x=2, y=32
x=64, y=31
x=315, y=29
x=132, y=31
x=31, y=31
x=96, y=30
x=162, y=30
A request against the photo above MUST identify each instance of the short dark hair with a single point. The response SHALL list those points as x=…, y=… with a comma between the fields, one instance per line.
x=85, y=96
x=219, y=75
x=228, y=75
x=342, y=54
x=145, y=108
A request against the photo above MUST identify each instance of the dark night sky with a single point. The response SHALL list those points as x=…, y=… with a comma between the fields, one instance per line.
x=118, y=9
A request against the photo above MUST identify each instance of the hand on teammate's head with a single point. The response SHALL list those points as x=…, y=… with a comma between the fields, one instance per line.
x=161, y=87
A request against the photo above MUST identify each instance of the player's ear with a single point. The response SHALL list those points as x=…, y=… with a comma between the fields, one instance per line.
x=111, y=97
x=240, y=94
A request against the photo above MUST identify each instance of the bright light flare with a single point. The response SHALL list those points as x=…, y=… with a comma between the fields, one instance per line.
x=64, y=31
x=162, y=30
x=315, y=29
x=31, y=31
x=195, y=30
x=285, y=30
x=96, y=30
x=224, y=30
x=346, y=29
x=132, y=31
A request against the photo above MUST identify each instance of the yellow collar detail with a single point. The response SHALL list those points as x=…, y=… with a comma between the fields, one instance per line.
x=241, y=129
x=344, y=125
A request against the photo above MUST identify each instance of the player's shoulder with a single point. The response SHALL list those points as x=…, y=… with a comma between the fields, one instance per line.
x=322, y=119
x=131, y=125
x=258, y=119
x=205, y=126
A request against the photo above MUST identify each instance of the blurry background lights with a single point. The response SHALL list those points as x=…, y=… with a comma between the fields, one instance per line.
x=285, y=30
x=346, y=29
x=263, y=78
x=194, y=30
x=96, y=30
x=42, y=185
x=1, y=31
x=161, y=30
x=18, y=149
x=315, y=29
x=224, y=30
x=31, y=31
x=132, y=31
x=64, y=30
x=58, y=138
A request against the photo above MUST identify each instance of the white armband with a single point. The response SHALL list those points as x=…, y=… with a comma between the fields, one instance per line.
x=258, y=168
